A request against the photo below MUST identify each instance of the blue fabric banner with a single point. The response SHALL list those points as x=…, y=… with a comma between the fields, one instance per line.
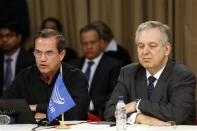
x=60, y=100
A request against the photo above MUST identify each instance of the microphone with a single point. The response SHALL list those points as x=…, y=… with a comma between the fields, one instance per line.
x=45, y=122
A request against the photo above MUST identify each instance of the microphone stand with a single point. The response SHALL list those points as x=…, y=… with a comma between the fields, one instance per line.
x=62, y=125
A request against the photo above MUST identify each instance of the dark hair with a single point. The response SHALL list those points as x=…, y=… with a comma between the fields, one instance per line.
x=46, y=33
x=56, y=21
x=105, y=31
x=90, y=27
x=12, y=25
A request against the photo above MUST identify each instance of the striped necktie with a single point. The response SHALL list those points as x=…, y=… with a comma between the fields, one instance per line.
x=151, y=80
x=8, y=72
x=88, y=70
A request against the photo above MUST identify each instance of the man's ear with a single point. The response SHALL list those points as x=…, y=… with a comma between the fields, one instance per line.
x=62, y=54
x=168, y=48
x=103, y=43
x=19, y=36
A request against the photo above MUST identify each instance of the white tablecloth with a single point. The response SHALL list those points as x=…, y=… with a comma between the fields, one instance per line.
x=96, y=127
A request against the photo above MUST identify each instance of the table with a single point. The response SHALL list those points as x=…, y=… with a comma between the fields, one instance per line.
x=84, y=126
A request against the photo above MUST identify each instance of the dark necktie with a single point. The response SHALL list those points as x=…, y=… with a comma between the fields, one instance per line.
x=8, y=75
x=88, y=70
x=151, y=80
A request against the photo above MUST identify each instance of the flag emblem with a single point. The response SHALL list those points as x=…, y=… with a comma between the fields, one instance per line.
x=60, y=100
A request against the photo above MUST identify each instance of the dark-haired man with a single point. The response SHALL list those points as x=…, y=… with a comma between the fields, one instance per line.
x=13, y=58
x=36, y=83
x=100, y=69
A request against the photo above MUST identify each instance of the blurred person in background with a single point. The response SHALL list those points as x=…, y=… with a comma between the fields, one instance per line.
x=13, y=58
x=55, y=24
x=111, y=47
x=17, y=10
x=100, y=69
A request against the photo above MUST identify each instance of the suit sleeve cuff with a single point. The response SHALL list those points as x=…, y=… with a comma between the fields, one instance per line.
x=42, y=108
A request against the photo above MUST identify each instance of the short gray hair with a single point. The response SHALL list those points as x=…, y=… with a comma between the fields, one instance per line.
x=164, y=29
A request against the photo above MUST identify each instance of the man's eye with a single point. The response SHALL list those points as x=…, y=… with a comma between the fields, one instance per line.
x=49, y=53
x=38, y=52
x=140, y=46
x=153, y=45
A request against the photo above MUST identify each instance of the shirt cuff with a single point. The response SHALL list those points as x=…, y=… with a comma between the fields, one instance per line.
x=91, y=107
x=137, y=105
x=131, y=118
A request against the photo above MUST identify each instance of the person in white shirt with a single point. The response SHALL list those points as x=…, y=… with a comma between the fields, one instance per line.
x=111, y=46
x=13, y=58
x=100, y=69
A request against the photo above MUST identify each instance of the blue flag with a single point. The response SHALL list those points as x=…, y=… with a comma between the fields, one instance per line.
x=60, y=100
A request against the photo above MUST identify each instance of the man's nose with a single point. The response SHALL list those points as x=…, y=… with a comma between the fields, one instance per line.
x=5, y=38
x=43, y=57
x=146, y=50
x=89, y=45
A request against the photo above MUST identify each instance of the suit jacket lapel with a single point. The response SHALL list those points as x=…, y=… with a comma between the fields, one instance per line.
x=97, y=71
x=81, y=62
x=161, y=83
x=141, y=84
x=19, y=61
x=1, y=72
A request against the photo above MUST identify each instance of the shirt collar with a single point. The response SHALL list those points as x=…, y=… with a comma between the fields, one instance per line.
x=13, y=56
x=112, y=46
x=156, y=75
x=95, y=60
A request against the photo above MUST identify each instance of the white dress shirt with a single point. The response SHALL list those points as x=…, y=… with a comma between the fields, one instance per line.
x=13, y=63
x=112, y=46
x=131, y=119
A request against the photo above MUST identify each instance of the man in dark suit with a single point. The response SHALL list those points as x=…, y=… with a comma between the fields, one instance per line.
x=111, y=47
x=104, y=71
x=10, y=45
x=158, y=89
